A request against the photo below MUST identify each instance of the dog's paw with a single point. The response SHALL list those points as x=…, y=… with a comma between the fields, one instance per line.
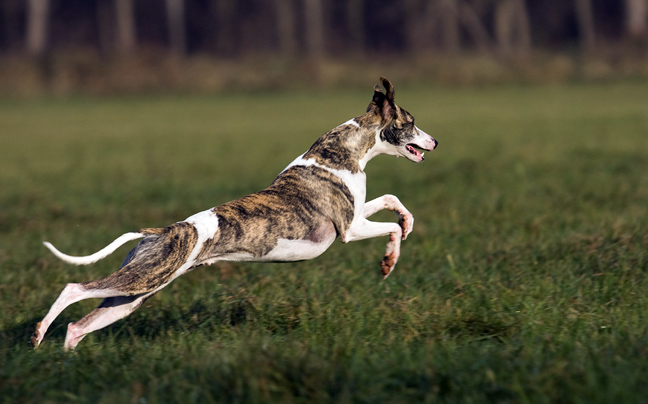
x=406, y=222
x=391, y=255
x=387, y=265
x=36, y=338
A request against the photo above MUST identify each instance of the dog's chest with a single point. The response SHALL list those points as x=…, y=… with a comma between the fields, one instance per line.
x=354, y=182
x=357, y=185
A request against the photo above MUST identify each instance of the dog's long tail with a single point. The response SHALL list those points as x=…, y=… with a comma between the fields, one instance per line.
x=89, y=259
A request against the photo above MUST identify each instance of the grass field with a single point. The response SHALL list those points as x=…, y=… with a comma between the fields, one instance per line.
x=525, y=279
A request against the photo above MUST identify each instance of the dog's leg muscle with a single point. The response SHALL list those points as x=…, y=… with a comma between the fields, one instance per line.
x=110, y=310
x=72, y=293
x=364, y=228
x=391, y=202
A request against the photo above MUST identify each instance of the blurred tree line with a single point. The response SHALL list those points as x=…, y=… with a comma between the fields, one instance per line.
x=318, y=28
x=115, y=46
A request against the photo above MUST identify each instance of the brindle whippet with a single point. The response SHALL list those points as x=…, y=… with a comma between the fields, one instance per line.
x=318, y=197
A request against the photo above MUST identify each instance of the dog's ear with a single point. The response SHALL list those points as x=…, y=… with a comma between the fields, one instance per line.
x=390, y=90
x=377, y=100
x=383, y=104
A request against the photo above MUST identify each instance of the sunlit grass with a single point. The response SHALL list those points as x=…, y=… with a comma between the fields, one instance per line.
x=524, y=279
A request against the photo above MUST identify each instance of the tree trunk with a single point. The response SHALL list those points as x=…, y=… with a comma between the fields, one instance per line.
x=314, y=28
x=224, y=11
x=450, y=34
x=422, y=23
x=105, y=25
x=512, y=27
x=524, y=27
x=176, y=26
x=125, y=15
x=636, y=21
x=285, y=10
x=474, y=26
x=11, y=23
x=413, y=28
x=430, y=24
x=37, y=16
x=585, y=18
x=356, y=25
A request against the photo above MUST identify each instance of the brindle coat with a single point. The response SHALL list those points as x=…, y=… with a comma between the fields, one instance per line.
x=320, y=196
x=303, y=203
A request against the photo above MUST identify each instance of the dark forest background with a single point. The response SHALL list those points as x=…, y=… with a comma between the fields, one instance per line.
x=101, y=46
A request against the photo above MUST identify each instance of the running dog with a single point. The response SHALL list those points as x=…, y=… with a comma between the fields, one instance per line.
x=320, y=196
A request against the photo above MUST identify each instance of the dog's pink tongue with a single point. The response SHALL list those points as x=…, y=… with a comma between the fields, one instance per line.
x=413, y=151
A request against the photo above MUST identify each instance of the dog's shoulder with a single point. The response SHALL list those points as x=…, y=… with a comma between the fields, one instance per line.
x=313, y=184
x=342, y=147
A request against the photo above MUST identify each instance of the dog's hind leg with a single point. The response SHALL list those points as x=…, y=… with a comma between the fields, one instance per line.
x=154, y=263
x=148, y=268
x=110, y=310
x=72, y=293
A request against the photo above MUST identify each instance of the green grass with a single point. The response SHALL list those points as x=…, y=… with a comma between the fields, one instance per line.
x=524, y=280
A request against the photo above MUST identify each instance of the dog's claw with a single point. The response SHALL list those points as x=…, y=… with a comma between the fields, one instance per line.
x=35, y=339
x=406, y=222
x=387, y=265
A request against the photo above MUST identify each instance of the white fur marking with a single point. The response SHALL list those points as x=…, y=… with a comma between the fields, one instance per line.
x=298, y=250
x=206, y=224
x=379, y=147
x=299, y=161
x=351, y=122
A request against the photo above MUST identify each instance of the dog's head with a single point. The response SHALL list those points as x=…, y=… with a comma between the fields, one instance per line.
x=399, y=136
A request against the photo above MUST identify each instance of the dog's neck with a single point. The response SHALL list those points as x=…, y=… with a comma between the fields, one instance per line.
x=349, y=146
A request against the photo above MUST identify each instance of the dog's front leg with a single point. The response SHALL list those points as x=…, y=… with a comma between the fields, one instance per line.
x=390, y=202
x=363, y=228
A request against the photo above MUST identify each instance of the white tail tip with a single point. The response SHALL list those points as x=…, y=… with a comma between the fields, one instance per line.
x=89, y=259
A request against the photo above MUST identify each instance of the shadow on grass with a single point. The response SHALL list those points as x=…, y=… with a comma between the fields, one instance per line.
x=20, y=334
x=148, y=324
x=157, y=318
x=476, y=328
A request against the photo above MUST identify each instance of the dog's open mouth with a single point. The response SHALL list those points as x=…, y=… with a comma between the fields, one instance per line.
x=415, y=150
